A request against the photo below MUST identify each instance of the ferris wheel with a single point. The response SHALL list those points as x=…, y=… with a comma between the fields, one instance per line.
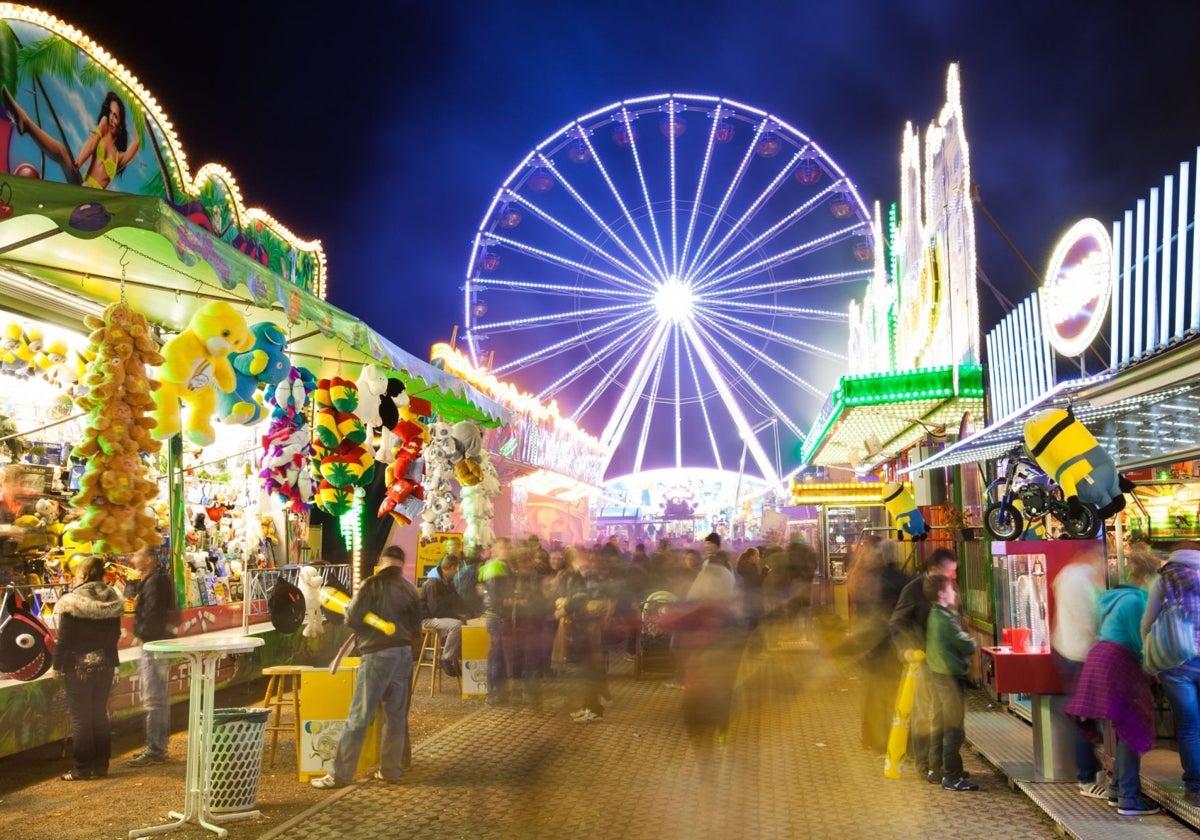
x=673, y=271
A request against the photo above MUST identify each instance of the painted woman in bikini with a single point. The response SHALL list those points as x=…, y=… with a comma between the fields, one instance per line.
x=105, y=153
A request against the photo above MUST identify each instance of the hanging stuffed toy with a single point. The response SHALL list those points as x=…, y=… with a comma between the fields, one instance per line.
x=341, y=462
x=906, y=516
x=466, y=457
x=287, y=448
x=263, y=364
x=26, y=646
x=196, y=367
x=1066, y=450
x=114, y=490
x=405, y=496
x=310, y=581
x=286, y=606
x=477, y=508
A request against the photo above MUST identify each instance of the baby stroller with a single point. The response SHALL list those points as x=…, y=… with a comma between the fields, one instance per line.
x=653, y=650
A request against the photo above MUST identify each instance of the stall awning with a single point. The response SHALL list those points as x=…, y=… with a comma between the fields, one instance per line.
x=1145, y=414
x=872, y=418
x=66, y=251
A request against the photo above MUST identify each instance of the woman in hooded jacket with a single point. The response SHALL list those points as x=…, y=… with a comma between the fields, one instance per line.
x=85, y=657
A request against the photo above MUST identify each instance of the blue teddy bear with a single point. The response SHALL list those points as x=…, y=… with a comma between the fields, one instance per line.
x=264, y=363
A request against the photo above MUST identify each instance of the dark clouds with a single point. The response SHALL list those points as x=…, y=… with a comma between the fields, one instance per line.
x=384, y=128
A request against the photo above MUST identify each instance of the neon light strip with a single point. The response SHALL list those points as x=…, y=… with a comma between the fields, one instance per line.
x=646, y=273
x=1116, y=298
x=604, y=327
x=1181, y=240
x=578, y=238
x=717, y=116
x=637, y=163
x=764, y=237
x=712, y=438
x=1196, y=250
x=720, y=212
x=678, y=404
x=1139, y=290
x=621, y=203
x=731, y=405
x=1164, y=327
x=751, y=212
x=1151, y=254
x=1127, y=291
x=674, y=207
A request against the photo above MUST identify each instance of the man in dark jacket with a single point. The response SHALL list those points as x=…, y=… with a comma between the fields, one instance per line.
x=384, y=671
x=907, y=627
x=155, y=602
x=444, y=611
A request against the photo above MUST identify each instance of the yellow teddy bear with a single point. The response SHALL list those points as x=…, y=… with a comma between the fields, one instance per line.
x=197, y=363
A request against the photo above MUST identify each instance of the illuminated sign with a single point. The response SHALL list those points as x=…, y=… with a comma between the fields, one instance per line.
x=1074, y=300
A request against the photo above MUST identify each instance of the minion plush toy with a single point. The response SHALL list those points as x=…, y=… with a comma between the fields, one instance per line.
x=1072, y=457
x=902, y=505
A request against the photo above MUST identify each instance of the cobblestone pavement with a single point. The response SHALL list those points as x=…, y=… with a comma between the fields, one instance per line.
x=792, y=768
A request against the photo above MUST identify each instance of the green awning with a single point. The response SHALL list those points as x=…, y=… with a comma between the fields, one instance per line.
x=65, y=250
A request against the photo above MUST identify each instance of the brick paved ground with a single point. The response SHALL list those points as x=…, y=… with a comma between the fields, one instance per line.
x=793, y=768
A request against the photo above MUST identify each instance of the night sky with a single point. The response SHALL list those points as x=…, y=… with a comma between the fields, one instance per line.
x=384, y=131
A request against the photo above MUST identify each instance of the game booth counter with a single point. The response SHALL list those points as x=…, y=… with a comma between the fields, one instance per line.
x=128, y=270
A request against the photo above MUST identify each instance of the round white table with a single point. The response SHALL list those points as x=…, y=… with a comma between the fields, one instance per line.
x=203, y=653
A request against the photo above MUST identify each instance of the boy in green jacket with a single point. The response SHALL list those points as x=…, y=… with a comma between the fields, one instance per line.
x=947, y=647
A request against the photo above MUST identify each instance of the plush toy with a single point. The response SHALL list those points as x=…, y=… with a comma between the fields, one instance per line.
x=287, y=448
x=477, y=508
x=263, y=364
x=196, y=367
x=906, y=516
x=1066, y=450
x=310, y=581
x=468, y=444
x=340, y=460
x=114, y=490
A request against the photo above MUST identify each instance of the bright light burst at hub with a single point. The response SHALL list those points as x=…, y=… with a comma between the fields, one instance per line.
x=661, y=267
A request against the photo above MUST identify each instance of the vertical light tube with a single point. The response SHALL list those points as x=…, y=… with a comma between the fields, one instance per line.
x=1151, y=256
x=1181, y=247
x=1165, y=302
x=1195, y=324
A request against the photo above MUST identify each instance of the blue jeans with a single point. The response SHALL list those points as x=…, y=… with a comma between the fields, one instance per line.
x=91, y=735
x=383, y=677
x=1182, y=687
x=1087, y=764
x=157, y=701
x=499, y=666
x=1127, y=775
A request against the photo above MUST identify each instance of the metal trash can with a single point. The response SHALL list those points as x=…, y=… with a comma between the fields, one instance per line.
x=237, y=748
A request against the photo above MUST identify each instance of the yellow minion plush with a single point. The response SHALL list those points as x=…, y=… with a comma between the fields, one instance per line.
x=1066, y=450
x=906, y=516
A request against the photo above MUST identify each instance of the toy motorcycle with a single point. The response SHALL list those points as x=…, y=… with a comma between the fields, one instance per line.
x=1024, y=495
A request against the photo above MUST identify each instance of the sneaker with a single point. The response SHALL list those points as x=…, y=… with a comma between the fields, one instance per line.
x=958, y=784
x=145, y=759
x=581, y=712
x=588, y=716
x=933, y=777
x=379, y=777
x=326, y=782
x=1141, y=808
x=1094, y=791
x=673, y=684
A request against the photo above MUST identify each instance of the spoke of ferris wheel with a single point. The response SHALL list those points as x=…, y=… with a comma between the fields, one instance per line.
x=555, y=259
x=757, y=204
x=777, y=309
x=675, y=333
x=792, y=283
x=719, y=315
x=766, y=359
x=571, y=346
x=758, y=391
x=614, y=430
x=645, y=272
x=610, y=375
x=703, y=272
x=637, y=162
x=691, y=228
x=554, y=317
x=712, y=438
x=782, y=257
x=622, y=337
x=731, y=405
x=689, y=270
x=567, y=231
x=560, y=288
x=658, y=365
x=620, y=201
x=671, y=170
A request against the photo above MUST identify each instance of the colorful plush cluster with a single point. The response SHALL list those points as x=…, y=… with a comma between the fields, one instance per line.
x=341, y=460
x=287, y=446
x=195, y=368
x=467, y=454
x=266, y=364
x=439, y=470
x=114, y=490
x=405, y=496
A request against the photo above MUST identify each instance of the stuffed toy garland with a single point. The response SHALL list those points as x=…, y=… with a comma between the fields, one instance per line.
x=114, y=490
x=341, y=462
x=405, y=497
x=287, y=449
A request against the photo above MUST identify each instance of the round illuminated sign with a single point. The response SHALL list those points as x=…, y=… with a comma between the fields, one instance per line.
x=1074, y=300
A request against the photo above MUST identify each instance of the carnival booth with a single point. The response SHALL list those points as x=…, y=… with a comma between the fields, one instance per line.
x=171, y=376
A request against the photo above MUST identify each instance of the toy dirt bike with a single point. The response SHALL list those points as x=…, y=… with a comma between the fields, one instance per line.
x=1024, y=494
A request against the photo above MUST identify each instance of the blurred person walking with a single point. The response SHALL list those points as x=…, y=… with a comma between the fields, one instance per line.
x=155, y=601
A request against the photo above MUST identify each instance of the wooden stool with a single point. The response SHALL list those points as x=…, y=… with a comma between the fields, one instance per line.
x=283, y=689
x=431, y=644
